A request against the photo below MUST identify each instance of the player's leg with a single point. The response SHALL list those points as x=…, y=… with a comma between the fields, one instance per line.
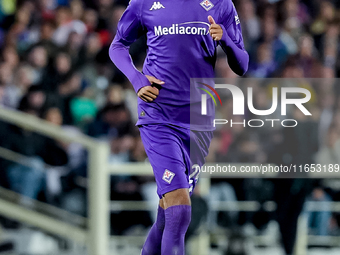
x=177, y=219
x=152, y=245
x=168, y=150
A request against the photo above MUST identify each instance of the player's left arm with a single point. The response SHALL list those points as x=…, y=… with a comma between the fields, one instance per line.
x=129, y=29
x=229, y=36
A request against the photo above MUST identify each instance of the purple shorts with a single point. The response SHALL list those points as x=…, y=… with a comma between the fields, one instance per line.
x=173, y=151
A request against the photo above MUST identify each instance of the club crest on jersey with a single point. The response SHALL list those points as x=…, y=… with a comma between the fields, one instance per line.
x=168, y=176
x=207, y=5
x=156, y=6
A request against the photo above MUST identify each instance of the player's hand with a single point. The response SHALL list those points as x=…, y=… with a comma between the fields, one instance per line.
x=215, y=30
x=150, y=93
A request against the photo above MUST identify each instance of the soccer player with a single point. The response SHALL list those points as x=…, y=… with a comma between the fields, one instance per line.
x=182, y=36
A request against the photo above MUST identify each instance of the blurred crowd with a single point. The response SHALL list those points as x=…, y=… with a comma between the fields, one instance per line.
x=54, y=65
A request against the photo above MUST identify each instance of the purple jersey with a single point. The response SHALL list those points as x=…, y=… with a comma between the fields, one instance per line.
x=179, y=48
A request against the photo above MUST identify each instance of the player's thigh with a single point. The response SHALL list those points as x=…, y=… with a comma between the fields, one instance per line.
x=164, y=147
x=199, y=146
x=176, y=197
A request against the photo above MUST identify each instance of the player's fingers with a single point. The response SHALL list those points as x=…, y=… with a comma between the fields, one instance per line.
x=216, y=31
x=148, y=98
x=144, y=98
x=141, y=97
x=154, y=80
x=214, y=26
x=151, y=90
x=216, y=35
x=144, y=94
x=217, y=28
x=211, y=20
x=141, y=94
x=154, y=91
x=158, y=81
x=150, y=94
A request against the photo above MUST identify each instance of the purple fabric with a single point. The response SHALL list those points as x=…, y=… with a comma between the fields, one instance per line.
x=179, y=48
x=177, y=220
x=121, y=57
x=232, y=44
x=172, y=152
x=152, y=245
x=232, y=40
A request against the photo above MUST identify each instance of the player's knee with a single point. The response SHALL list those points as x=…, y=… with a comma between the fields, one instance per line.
x=161, y=203
x=177, y=218
x=177, y=197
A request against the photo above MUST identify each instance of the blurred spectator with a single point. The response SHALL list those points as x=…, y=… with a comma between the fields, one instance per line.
x=305, y=58
x=265, y=64
x=77, y=9
x=83, y=108
x=6, y=74
x=330, y=152
x=121, y=148
x=46, y=32
x=38, y=60
x=250, y=22
x=10, y=56
x=112, y=120
x=29, y=175
x=270, y=37
x=58, y=71
x=329, y=45
x=326, y=14
x=320, y=222
x=66, y=24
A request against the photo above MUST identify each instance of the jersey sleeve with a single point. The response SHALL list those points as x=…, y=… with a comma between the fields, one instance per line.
x=232, y=40
x=129, y=29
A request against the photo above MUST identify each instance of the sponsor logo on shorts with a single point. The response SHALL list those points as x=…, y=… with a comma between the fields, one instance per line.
x=168, y=176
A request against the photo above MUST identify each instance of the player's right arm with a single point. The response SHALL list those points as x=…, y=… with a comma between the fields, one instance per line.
x=129, y=29
x=230, y=37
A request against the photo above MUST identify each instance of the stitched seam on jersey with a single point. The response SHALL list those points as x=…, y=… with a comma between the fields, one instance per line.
x=226, y=28
x=140, y=14
x=221, y=16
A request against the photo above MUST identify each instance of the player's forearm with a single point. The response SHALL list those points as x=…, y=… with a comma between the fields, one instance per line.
x=238, y=58
x=120, y=56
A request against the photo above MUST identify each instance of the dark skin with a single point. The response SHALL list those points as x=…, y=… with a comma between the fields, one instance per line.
x=215, y=30
x=175, y=197
x=149, y=94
